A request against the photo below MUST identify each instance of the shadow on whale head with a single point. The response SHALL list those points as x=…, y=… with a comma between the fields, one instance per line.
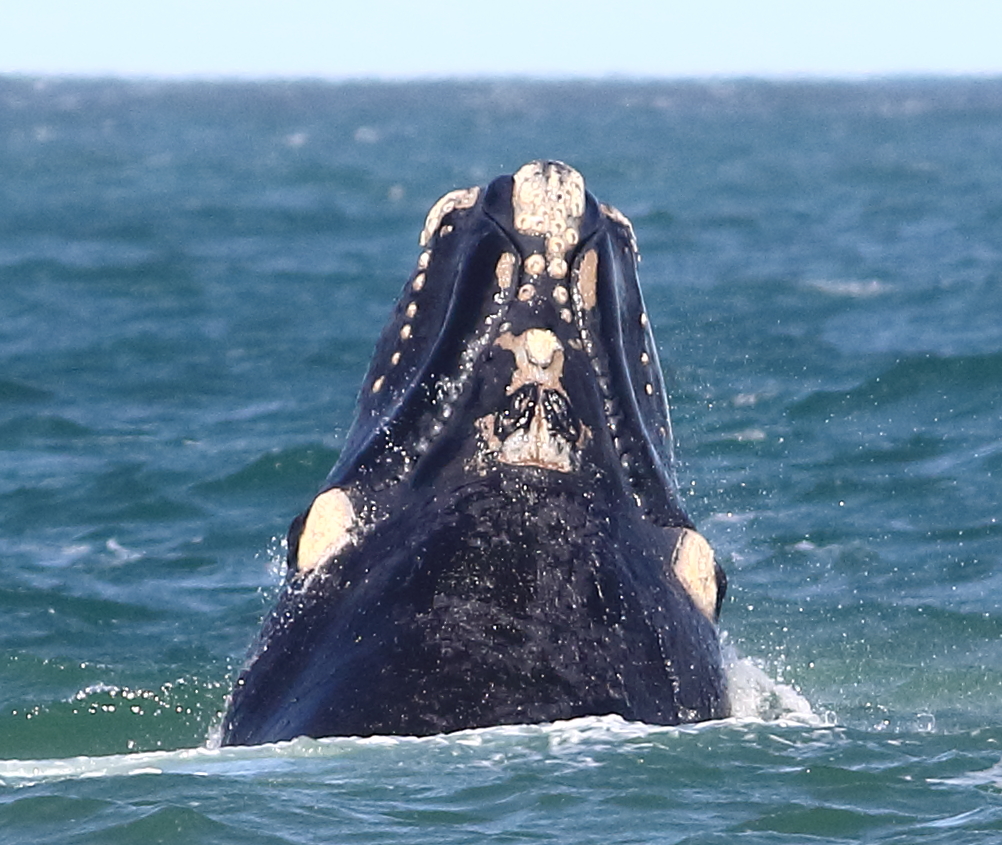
x=502, y=539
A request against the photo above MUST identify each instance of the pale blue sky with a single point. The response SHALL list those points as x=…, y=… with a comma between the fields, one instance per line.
x=398, y=39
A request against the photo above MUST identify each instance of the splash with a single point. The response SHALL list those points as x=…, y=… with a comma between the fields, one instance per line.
x=754, y=695
x=755, y=698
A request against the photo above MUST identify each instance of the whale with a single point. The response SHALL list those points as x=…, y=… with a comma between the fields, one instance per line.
x=502, y=539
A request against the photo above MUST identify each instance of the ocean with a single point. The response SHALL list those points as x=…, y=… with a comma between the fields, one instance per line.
x=192, y=278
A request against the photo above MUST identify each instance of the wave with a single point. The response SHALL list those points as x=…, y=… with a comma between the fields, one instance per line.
x=206, y=760
x=19, y=392
x=296, y=468
x=755, y=698
x=941, y=379
x=30, y=430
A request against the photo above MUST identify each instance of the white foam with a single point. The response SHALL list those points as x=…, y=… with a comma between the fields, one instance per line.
x=852, y=288
x=755, y=699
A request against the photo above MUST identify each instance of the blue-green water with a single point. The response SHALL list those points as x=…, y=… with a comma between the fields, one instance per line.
x=191, y=281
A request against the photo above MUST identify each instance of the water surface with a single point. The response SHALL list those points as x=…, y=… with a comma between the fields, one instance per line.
x=191, y=280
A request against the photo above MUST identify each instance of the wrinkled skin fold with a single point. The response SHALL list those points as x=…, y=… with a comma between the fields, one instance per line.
x=502, y=539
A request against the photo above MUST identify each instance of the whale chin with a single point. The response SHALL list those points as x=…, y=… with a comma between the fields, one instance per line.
x=502, y=539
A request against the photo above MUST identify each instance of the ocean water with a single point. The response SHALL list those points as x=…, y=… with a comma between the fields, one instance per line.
x=191, y=280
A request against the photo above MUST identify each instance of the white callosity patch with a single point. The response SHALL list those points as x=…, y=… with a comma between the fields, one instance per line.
x=587, y=279
x=535, y=264
x=464, y=198
x=537, y=446
x=548, y=199
x=328, y=529
x=409, y=312
x=695, y=568
x=539, y=361
x=505, y=270
x=616, y=215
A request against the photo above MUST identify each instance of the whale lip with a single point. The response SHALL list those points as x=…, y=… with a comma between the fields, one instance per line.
x=502, y=539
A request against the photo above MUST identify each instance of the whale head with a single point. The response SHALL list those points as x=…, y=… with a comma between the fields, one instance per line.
x=502, y=538
x=520, y=339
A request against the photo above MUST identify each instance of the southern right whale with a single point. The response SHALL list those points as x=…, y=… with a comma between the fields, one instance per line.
x=502, y=539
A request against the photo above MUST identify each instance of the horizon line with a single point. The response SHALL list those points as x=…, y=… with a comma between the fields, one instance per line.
x=613, y=77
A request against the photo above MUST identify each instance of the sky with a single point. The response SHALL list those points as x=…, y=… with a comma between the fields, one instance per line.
x=401, y=39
